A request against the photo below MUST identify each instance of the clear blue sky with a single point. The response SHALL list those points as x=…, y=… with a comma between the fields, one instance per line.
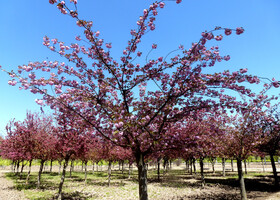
x=25, y=23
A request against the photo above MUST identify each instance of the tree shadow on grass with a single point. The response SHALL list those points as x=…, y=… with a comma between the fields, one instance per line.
x=105, y=183
x=252, y=184
x=70, y=196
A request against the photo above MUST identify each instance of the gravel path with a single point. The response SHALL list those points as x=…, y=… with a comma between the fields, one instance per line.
x=7, y=191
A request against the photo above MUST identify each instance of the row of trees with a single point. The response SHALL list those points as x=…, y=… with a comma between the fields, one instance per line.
x=202, y=135
x=147, y=106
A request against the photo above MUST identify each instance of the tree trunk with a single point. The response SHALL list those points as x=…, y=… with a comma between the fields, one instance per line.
x=263, y=165
x=232, y=169
x=142, y=176
x=59, y=171
x=18, y=162
x=97, y=166
x=12, y=167
x=130, y=170
x=224, y=166
x=158, y=169
x=187, y=166
x=92, y=167
x=245, y=166
x=45, y=166
x=213, y=165
x=86, y=172
x=62, y=178
x=201, y=172
x=40, y=173
x=194, y=168
x=71, y=168
x=109, y=172
x=21, y=170
x=190, y=161
x=241, y=180
x=122, y=166
x=29, y=170
x=51, y=166
x=276, y=181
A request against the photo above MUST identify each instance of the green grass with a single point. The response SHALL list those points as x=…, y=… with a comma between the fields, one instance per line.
x=97, y=183
x=50, y=183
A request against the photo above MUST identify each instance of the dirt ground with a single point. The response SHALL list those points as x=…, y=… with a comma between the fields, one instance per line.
x=186, y=187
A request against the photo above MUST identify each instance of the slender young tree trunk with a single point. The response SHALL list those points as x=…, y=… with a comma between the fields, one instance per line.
x=213, y=165
x=224, y=166
x=122, y=166
x=232, y=169
x=245, y=166
x=51, y=166
x=45, y=166
x=71, y=168
x=191, y=165
x=12, y=167
x=194, y=168
x=241, y=180
x=28, y=174
x=130, y=170
x=97, y=166
x=263, y=165
x=21, y=170
x=142, y=176
x=62, y=178
x=158, y=169
x=18, y=162
x=92, y=167
x=276, y=181
x=201, y=172
x=109, y=172
x=40, y=173
x=187, y=166
x=59, y=171
x=86, y=172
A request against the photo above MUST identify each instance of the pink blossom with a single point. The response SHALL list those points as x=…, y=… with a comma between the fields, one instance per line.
x=74, y=1
x=228, y=31
x=108, y=45
x=97, y=33
x=218, y=37
x=39, y=101
x=139, y=53
x=243, y=70
x=276, y=84
x=161, y=5
x=178, y=1
x=155, y=12
x=52, y=1
x=154, y=46
x=12, y=82
x=239, y=30
x=209, y=36
x=226, y=58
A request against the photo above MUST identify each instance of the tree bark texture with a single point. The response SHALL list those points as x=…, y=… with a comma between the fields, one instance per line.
x=142, y=176
x=241, y=180
x=40, y=173
x=62, y=178
x=276, y=181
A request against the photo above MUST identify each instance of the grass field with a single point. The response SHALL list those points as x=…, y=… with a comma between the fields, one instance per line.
x=175, y=184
